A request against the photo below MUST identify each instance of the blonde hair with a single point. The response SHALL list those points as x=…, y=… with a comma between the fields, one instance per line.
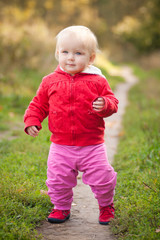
x=82, y=33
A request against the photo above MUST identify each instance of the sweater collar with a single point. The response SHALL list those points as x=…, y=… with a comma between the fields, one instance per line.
x=93, y=70
x=89, y=70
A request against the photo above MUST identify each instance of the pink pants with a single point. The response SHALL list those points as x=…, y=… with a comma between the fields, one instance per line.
x=64, y=162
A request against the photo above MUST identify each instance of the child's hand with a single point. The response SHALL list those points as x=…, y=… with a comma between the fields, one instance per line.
x=32, y=131
x=98, y=104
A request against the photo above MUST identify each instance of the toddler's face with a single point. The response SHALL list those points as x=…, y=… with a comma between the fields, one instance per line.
x=72, y=55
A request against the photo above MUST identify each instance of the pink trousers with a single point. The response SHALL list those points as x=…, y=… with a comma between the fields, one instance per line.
x=64, y=162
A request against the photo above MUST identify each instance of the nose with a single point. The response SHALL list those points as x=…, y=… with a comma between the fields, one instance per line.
x=70, y=56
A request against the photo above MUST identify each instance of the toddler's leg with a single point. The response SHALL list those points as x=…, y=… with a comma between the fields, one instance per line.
x=61, y=177
x=99, y=174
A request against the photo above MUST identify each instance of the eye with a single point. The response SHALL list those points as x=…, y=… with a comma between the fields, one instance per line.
x=78, y=53
x=65, y=52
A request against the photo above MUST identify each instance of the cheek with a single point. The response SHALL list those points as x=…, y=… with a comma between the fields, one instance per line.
x=83, y=61
x=61, y=59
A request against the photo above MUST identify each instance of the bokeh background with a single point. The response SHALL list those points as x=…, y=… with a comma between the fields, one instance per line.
x=126, y=30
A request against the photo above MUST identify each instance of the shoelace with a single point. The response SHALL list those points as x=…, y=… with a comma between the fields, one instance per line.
x=55, y=210
x=106, y=210
x=64, y=212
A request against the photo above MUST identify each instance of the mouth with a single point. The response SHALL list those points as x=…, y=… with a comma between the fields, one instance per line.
x=70, y=64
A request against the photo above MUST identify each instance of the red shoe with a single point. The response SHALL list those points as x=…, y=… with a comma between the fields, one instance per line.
x=106, y=214
x=58, y=216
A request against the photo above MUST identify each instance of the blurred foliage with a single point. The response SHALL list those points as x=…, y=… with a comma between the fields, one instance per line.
x=142, y=29
x=28, y=27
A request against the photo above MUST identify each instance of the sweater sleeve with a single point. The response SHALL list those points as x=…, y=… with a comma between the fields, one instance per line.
x=38, y=108
x=111, y=103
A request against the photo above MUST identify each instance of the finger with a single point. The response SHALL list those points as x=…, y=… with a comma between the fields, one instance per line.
x=33, y=131
x=99, y=101
x=100, y=98
x=98, y=105
x=97, y=109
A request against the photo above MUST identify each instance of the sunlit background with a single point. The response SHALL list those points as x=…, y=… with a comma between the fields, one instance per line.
x=124, y=29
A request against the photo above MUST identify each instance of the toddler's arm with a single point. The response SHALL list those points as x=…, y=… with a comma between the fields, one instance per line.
x=32, y=131
x=37, y=110
x=106, y=104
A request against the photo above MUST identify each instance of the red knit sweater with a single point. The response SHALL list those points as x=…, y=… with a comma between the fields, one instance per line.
x=67, y=101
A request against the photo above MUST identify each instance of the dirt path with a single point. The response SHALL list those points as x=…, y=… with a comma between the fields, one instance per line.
x=83, y=223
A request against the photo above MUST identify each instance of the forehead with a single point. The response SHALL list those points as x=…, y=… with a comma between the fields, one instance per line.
x=71, y=41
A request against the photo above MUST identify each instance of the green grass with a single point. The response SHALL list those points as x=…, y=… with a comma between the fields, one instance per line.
x=16, y=90
x=23, y=175
x=137, y=198
x=23, y=161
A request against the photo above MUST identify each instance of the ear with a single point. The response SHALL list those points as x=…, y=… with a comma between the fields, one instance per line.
x=57, y=54
x=92, y=58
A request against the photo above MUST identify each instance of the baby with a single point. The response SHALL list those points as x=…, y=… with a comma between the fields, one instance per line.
x=75, y=97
